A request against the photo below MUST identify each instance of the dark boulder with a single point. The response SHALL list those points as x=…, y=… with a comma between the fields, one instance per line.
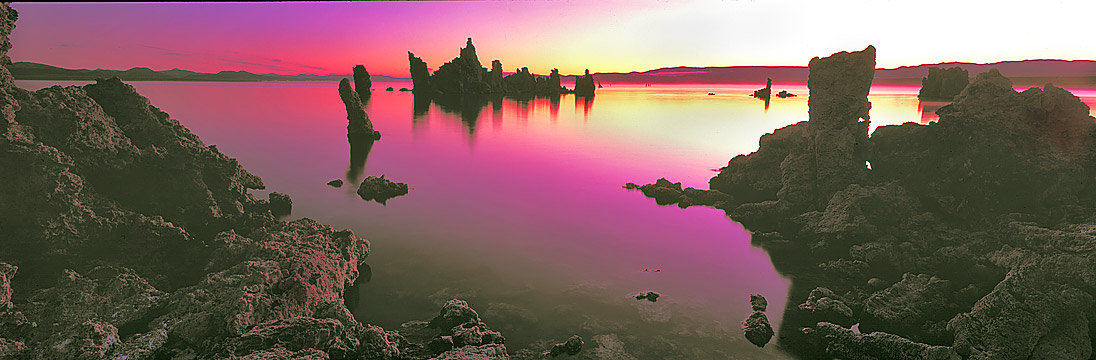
x=280, y=204
x=335, y=183
x=758, y=302
x=571, y=347
x=757, y=328
x=943, y=84
x=380, y=189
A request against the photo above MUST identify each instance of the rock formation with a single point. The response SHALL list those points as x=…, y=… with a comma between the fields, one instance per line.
x=763, y=93
x=280, y=204
x=968, y=237
x=363, y=84
x=571, y=347
x=380, y=189
x=943, y=84
x=133, y=239
x=756, y=326
x=358, y=127
x=464, y=75
x=584, y=85
x=647, y=295
x=784, y=94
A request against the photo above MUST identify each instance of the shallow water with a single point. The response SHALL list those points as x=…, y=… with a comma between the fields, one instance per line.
x=518, y=207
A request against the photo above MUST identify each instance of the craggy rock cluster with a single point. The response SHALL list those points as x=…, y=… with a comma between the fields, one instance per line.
x=464, y=75
x=756, y=326
x=584, y=85
x=971, y=237
x=647, y=295
x=666, y=193
x=358, y=127
x=943, y=84
x=123, y=236
x=380, y=189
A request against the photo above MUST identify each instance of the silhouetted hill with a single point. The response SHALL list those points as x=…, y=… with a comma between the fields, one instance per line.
x=1084, y=70
x=35, y=71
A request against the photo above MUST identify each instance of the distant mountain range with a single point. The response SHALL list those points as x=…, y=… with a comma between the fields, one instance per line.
x=35, y=71
x=1077, y=71
x=1083, y=69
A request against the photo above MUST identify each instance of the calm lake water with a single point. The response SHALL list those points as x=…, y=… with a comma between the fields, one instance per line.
x=518, y=207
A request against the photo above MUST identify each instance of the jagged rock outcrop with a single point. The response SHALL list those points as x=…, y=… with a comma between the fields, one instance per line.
x=135, y=240
x=665, y=193
x=842, y=343
x=363, y=84
x=280, y=204
x=358, y=127
x=584, y=85
x=464, y=75
x=989, y=207
x=647, y=295
x=943, y=84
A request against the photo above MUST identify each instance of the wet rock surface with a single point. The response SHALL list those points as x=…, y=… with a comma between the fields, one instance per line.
x=380, y=189
x=133, y=239
x=969, y=238
x=943, y=84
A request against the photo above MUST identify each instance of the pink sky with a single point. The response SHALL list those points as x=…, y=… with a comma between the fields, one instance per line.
x=613, y=36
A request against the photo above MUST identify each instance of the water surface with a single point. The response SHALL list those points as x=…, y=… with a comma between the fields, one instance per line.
x=517, y=206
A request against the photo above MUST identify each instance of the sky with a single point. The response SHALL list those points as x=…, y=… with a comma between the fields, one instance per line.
x=603, y=36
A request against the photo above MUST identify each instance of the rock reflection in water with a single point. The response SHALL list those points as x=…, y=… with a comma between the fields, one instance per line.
x=359, y=153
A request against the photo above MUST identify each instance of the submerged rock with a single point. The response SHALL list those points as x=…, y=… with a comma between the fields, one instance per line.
x=380, y=189
x=335, y=183
x=647, y=295
x=943, y=84
x=571, y=347
x=665, y=193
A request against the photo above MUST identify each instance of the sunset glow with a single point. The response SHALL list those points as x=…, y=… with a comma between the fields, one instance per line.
x=612, y=36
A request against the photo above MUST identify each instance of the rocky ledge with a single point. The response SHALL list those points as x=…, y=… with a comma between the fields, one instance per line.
x=972, y=237
x=124, y=236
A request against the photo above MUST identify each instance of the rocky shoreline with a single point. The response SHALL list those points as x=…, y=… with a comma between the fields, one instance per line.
x=126, y=237
x=967, y=238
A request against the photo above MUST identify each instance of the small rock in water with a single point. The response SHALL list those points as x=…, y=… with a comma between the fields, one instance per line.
x=784, y=94
x=280, y=204
x=335, y=183
x=380, y=189
x=711, y=93
x=648, y=295
x=570, y=347
x=405, y=89
x=631, y=186
x=389, y=89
